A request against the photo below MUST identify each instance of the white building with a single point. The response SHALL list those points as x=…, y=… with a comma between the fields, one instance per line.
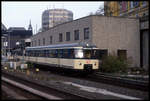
x=54, y=17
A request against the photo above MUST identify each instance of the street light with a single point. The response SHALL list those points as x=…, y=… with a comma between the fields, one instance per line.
x=9, y=42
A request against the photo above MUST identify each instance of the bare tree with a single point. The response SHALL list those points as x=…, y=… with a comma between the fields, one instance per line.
x=100, y=11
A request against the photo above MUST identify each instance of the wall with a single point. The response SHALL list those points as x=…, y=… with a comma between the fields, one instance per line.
x=63, y=28
x=115, y=33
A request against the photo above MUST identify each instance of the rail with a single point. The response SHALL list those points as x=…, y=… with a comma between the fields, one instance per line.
x=40, y=90
x=133, y=84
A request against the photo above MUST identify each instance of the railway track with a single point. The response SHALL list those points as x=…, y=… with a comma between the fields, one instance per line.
x=118, y=81
x=113, y=80
x=74, y=81
x=11, y=92
x=41, y=91
x=108, y=79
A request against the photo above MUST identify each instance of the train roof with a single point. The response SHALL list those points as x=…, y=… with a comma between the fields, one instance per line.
x=62, y=46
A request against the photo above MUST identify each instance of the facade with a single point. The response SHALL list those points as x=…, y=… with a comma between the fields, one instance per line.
x=3, y=38
x=126, y=8
x=12, y=38
x=16, y=34
x=138, y=9
x=110, y=34
x=54, y=17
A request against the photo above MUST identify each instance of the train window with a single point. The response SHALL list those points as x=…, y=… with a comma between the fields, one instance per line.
x=65, y=53
x=87, y=54
x=46, y=53
x=71, y=53
x=50, y=54
x=34, y=52
x=60, y=53
x=95, y=54
x=53, y=53
x=42, y=53
x=38, y=53
x=78, y=53
x=56, y=53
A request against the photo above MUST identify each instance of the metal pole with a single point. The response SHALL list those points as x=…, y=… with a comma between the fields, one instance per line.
x=5, y=46
x=9, y=41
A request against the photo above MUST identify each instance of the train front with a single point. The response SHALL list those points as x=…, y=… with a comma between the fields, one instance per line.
x=86, y=59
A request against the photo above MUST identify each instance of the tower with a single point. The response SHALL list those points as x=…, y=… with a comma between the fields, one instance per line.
x=53, y=17
x=30, y=26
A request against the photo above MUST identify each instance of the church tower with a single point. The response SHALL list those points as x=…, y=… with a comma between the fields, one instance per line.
x=30, y=26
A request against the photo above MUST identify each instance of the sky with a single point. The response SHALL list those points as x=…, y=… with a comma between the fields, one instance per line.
x=19, y=14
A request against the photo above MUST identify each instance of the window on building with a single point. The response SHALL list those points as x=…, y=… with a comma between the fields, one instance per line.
x=43, y=41
x=144, y=3
x=136, y=3
x=60, y=37
x=122, y=54
x=86, y=33
x=131, y=4
x=76, y=35
x=67, y=36
x=39, y=42
x=51, y=39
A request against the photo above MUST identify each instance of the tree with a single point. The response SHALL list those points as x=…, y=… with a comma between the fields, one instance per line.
x=100, y=11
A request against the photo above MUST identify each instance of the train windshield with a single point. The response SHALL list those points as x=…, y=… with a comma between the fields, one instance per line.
x=87, y=53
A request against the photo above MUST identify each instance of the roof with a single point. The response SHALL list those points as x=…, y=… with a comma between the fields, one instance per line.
x=3, y=27
x=57, y=9
x=72, y=45
x=16, y=28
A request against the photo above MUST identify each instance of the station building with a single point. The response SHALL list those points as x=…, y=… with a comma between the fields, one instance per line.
x=113, y=35
x=138, y=9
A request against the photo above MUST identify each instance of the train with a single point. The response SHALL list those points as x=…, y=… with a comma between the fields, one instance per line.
x=75, y=56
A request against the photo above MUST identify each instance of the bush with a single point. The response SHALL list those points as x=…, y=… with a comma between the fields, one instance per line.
x=113, y=64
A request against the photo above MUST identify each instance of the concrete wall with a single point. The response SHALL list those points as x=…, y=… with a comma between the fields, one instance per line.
x=115, y=33
x=145, y=49
x=63, y=28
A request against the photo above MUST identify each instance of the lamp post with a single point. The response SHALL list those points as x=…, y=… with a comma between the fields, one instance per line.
x=22, y=46
x=9, y=43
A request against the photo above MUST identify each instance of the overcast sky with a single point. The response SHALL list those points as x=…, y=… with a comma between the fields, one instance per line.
x=18, y=14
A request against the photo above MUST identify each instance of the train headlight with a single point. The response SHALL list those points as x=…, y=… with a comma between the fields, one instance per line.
x=80, y=63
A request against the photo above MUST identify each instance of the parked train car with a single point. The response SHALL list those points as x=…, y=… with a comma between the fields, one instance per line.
x=67, y=56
